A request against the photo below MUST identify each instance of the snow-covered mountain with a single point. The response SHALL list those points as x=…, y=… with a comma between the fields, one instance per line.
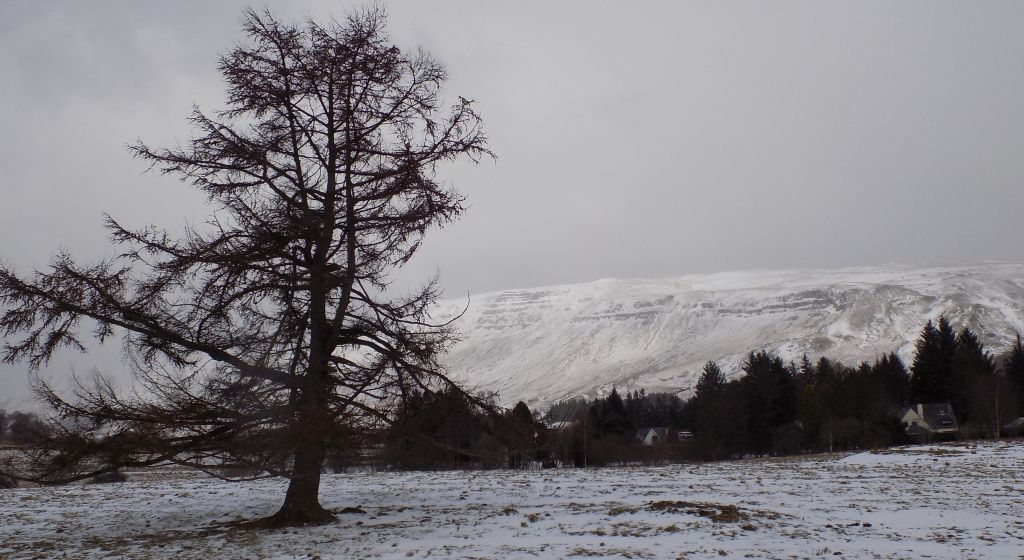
x=545, y=344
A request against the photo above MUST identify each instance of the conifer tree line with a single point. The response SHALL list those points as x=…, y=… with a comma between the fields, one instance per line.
x=21, y=428
x=768, y=407
x=447, y=430
x=776, y=407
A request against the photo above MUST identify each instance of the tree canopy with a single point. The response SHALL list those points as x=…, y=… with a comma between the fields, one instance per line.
x=270, y=335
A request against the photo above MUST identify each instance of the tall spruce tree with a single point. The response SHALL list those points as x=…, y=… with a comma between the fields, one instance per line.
x=806, y=372
x=1014, y=368
x=825, y=372
x=613, y=417
x=771, y=397
x=934, y=355
x=706, y=402
x=711, y=383
x=972, y=373
x=521, y=435
x=894, y=377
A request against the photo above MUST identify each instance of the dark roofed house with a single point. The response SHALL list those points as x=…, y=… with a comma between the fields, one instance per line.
x=929, y=419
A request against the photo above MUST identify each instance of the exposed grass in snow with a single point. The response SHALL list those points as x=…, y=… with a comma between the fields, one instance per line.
x=950, y=501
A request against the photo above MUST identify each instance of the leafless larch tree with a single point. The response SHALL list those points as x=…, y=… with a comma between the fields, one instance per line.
x=269, y=336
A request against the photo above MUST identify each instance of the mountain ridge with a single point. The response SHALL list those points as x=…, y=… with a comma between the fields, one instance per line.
x=548, y=343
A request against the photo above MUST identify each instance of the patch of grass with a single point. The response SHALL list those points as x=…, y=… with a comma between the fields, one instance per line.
x=719, y=513
x=619, y=510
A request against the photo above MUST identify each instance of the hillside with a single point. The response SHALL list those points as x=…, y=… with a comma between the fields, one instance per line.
x=544, y=344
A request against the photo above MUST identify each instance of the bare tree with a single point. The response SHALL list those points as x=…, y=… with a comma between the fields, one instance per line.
x=269, y=337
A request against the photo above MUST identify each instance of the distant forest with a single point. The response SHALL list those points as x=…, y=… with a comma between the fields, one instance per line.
x=775, y=408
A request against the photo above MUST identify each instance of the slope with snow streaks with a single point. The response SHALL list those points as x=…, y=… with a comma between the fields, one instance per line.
x=545, y=344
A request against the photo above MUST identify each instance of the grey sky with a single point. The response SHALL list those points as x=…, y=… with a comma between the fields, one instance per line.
x=634, y=139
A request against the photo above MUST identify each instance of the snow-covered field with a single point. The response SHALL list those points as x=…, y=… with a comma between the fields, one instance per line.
x=948, y=501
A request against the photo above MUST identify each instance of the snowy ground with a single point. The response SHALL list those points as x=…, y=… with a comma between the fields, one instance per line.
x=955, y=501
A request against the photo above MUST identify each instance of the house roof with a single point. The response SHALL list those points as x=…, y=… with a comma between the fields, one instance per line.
x=642, y=433
x=939, y=416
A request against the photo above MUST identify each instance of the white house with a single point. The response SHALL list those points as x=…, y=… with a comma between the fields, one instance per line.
x=652, y=436
x=929, y=419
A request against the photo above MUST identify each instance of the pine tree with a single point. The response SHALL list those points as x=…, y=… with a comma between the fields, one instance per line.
x=614, y=417
x=711, y=384
x=806, y=372
x=894, y=377
x=771, y=397
x=521, y=413
x=706, y=397
x=521, y=436
x=930, y=367
x=972, y=373
x=824, y=372
x=710, y=410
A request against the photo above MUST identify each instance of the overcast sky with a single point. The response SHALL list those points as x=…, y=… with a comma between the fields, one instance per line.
x=633, y=139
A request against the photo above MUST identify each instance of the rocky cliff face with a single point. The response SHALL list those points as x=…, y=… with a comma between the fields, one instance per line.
x=544, y=344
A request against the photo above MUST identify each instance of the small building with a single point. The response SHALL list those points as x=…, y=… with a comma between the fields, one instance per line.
x=653, y=436
x=929, y=419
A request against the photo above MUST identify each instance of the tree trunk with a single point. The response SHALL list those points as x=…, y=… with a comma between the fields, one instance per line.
x=302, y=501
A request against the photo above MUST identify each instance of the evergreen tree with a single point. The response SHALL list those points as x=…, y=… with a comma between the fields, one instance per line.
x=972, y=374
x=824, y=372
x=27, y=428
x=568, y=410
x=934, y=353
x=711, y=383
x=637, y=407
x=806, y=372
x=613, y=417
x=947, y=338
x=771, y=397
x=434, y=429
x=1014, y=368
x=661, y=409
x=521, y=413
x=707, y=406
x=521, y=435
x=895, y=378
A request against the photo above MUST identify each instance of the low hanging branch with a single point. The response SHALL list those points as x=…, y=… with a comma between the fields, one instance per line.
x=267, y=338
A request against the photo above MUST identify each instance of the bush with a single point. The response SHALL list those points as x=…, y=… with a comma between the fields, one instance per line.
x=113, y=475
